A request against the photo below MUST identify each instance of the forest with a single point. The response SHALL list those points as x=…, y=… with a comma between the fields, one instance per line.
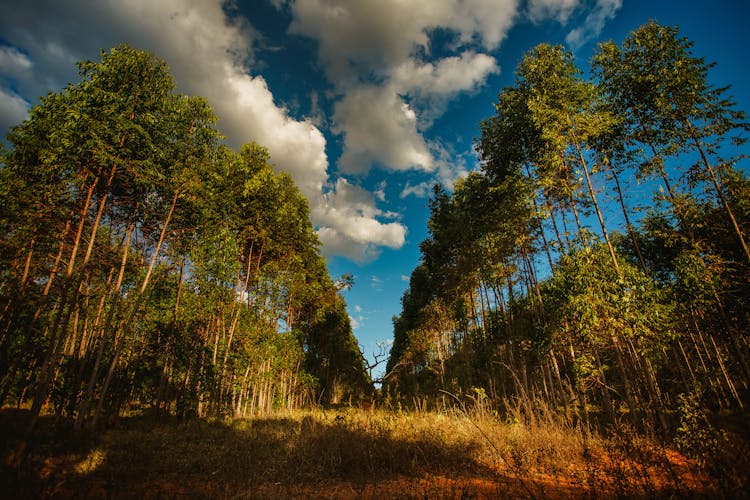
x=167, y=321
x=528, y=296
x=145, y=264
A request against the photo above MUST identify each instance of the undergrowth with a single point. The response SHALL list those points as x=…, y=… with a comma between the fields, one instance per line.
x=346, y=452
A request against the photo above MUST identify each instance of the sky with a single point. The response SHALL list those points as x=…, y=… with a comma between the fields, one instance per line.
x=366, y=103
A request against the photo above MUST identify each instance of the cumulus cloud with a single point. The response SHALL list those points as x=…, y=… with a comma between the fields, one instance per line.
x=247, y=108
x=13, y=109
x=370, y=51
x=374, y=35
x=448, y=76
x=210, y=55
x=15, y=72
x=420, y=190
x=348, y=224
x=379, y=128
x=603, y=11
x=431, y=86
x=539, y=10
x=13, y=62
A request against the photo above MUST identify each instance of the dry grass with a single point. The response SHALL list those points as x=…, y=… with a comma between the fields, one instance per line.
x=344, y=453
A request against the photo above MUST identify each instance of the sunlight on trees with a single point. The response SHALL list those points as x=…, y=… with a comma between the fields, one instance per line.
x=517, y=296
x=147, y=266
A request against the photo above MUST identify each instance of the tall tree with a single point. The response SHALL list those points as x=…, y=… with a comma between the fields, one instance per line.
x=662, y=91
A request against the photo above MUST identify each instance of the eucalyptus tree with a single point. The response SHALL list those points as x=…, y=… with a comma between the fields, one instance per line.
x=114, y=132
x=142, y=262
x=418, y=295
x=333, y=355
x=661, y=90
x=564, y=108
x=509, y=146
x=162, y=143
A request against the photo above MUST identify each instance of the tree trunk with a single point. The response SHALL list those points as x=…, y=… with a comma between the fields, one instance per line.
x=631, y=230
x=592, y=194
x=720, y=192
x=115, y=294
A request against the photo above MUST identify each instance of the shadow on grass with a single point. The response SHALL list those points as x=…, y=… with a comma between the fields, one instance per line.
x=144, y=457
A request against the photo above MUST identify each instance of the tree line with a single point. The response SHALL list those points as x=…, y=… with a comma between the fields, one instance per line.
x=549, y=283
x=145, y=265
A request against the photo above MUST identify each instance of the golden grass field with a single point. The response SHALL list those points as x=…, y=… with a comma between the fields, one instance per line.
x=343, y=453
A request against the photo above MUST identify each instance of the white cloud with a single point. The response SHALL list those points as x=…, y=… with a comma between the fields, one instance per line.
x=421, y=190
x=366, y=35
x=448, y=76
x=603, y=11
x=359, y=320
x=348, y=224
x=490, y=20
x=451, y=165
x=13, y=109
x=540, y=10
x=369, y=51
x=13, y=62
x=379, y=128
x=431, y=86
x=316, y=117
x=209, y=55
x=379, y=192
x=247, y=112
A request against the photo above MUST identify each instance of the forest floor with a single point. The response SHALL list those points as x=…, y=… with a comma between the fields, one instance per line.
x=344, y=453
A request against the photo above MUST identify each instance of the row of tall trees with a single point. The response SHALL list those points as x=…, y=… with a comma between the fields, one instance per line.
x=144, y=264
x=550, y=279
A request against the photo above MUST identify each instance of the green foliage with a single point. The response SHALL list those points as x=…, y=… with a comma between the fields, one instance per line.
x=333, y=356
x=695, y=436
x=143, y=265
x=516, y=295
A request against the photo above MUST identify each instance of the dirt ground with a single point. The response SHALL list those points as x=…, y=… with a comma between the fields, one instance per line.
x=330, y=457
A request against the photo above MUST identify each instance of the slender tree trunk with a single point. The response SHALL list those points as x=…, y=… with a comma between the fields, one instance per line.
x=574, y=207
x=100, y=211
x=155, y=256
x=26, y=266
x=120, y=346
x=592, y=194
x=720, y=192
x=631, y=230
x=79, y=231
x=136, y=307
x=115, y=294
x=563, y=248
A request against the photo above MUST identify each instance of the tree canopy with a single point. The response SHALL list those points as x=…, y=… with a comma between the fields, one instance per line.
x=519, y=297
x=143, y=264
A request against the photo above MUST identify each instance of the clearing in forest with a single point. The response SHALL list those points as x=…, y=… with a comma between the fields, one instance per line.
x=345, y=453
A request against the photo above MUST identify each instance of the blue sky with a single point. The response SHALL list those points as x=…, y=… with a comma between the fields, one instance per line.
x=366, y=103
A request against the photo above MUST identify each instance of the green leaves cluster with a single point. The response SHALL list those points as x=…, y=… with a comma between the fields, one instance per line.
x=144, y=264
x=518, y=294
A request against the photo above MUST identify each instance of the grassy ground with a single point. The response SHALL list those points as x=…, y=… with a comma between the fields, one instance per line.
x=343, y=453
